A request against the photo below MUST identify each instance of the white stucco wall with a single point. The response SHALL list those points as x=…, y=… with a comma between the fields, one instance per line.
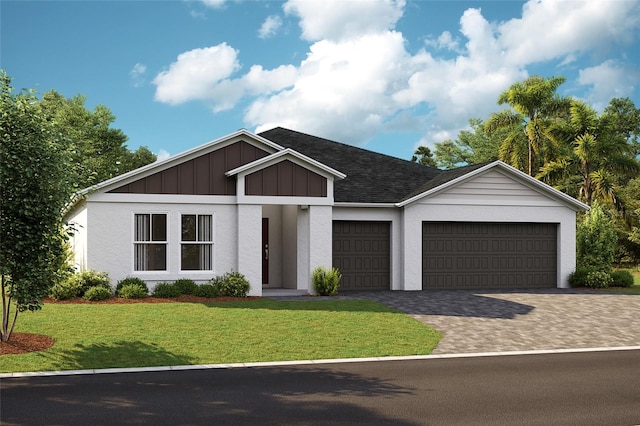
x=249, y=245
x=110, y=228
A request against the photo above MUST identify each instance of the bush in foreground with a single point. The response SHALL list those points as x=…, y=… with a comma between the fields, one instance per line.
x=185, y=286
x=132, y=291
x=206, y=290
x=231, y=284
x=622, y=278
x=129, y=281
x=97, y=293
x=326, y=281
x=166, y=290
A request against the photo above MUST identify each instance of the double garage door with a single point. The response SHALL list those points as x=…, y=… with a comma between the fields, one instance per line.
x=459, y=255
x=455, y=255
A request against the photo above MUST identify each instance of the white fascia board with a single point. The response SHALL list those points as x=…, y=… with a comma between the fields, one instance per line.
x=365, y=205
x=515, y=173
x=286, y=154
x=159, y=166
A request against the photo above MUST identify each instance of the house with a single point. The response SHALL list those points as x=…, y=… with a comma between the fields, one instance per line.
x=275, y=205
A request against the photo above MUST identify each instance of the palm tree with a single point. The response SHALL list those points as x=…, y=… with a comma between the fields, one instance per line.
x=536, y=109
x=596, y=158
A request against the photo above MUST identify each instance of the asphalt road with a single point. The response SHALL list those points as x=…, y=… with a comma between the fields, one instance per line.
x=596, y=388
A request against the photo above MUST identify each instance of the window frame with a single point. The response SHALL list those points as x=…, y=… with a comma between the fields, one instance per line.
x=165, y=242
x=196, y=242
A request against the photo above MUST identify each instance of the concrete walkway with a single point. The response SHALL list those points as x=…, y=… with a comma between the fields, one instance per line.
x=496, y=321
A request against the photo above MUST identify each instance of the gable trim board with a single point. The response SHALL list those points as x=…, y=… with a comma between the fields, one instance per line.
x=362, y=192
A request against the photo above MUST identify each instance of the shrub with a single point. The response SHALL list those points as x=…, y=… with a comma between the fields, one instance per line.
x=326, y=281
x=622, y=278
x=97, y=293
x=166, y=290
x=185, y=285
x=598, y=279
x=206, y=290
x=231, y=284
x=132, y=280
x=132, y=291
x=579, y=277
x=89, y=278
x=65, y=290
x=596, y=240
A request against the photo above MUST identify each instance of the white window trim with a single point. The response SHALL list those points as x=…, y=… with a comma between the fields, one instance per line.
x=207, y=272
x=167, y=242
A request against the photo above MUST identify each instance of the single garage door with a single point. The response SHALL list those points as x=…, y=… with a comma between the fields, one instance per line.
x=361, y=251
x=464, y=255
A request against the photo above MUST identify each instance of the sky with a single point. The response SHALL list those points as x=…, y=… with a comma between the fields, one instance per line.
x=385, y=75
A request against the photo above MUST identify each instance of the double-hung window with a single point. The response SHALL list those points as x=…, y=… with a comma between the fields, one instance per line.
x=150, y=242
x=197, y=242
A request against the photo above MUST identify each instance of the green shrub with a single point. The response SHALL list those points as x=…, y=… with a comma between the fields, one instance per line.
x=97, y=293
x=622, y=278
x=89, y=278
x=579, y=277
x=326, y=281
x=206, y=290
x=132, y=291
x=65, y=290
x=185, y=285
x=231, y=284
x=598, y=279
x=132, y=280
x=166, y=290
x=596, y=240
x=78, y=283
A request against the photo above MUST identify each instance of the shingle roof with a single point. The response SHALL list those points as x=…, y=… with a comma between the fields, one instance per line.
x=371, y=177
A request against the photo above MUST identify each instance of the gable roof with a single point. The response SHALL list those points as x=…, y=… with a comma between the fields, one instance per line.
x=454, y=177
x=371, y=177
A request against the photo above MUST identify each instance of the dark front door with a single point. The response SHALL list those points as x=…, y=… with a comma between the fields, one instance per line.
x=265, y=250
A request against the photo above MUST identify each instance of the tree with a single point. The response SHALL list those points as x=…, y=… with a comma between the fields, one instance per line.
x=424, y=156
x=596, y=240
x=99, y=152
x=471, y=147
x=597, y=158
x=536, y=107
x=34, y=188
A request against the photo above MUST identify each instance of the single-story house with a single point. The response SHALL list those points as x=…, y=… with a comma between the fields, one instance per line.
x=277, y=204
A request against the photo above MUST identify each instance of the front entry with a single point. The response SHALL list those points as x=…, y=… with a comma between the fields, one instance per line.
x=265, y=251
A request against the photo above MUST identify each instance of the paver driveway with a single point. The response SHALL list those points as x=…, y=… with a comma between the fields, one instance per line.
x=490, y=321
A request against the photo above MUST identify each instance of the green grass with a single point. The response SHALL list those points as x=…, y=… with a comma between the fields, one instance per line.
x=140, y=335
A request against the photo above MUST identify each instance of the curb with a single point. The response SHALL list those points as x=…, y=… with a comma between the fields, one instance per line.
x=306, y=362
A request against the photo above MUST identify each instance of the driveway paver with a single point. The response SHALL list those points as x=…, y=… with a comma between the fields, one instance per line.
x=496, y=321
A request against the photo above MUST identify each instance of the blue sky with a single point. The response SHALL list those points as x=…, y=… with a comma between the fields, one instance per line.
x=385, y=75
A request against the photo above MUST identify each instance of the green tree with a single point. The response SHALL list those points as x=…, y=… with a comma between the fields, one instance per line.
x=424, y=156
x=471, y=147
x=34, y=188
x=99, y=151
x=535, y=110
x=598, y=156
x=596, y=240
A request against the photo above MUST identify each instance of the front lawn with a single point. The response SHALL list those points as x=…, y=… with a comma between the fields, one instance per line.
x=90, y=336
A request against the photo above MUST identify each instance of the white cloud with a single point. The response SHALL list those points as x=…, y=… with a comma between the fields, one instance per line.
x=336, y=20
x=137, y=75
x=608, y=80
x=214, y=4
x=198, y=74
x=162, y=155
x=358, y=79
x=270, y=26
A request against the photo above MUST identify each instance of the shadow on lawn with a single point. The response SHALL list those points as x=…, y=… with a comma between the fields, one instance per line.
x=121, y=354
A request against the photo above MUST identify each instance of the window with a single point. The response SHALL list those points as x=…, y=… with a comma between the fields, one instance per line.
x=197, y=242
x=150, y=242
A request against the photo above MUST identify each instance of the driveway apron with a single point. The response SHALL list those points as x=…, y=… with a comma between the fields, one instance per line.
x=496, y=321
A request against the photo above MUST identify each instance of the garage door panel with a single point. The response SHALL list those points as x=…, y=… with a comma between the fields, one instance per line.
x=362, y=253
x=487, y=255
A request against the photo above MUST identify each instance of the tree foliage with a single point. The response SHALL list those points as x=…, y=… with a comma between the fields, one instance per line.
x=424, y=156
x=34, y=188
x=472, y=147
x=596, y=240
x=535, y=110
x=98, y=151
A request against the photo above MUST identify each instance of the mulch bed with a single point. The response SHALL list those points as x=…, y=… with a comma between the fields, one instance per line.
x=22, y=343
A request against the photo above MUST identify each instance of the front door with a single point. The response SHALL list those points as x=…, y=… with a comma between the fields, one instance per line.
x=265, y=251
